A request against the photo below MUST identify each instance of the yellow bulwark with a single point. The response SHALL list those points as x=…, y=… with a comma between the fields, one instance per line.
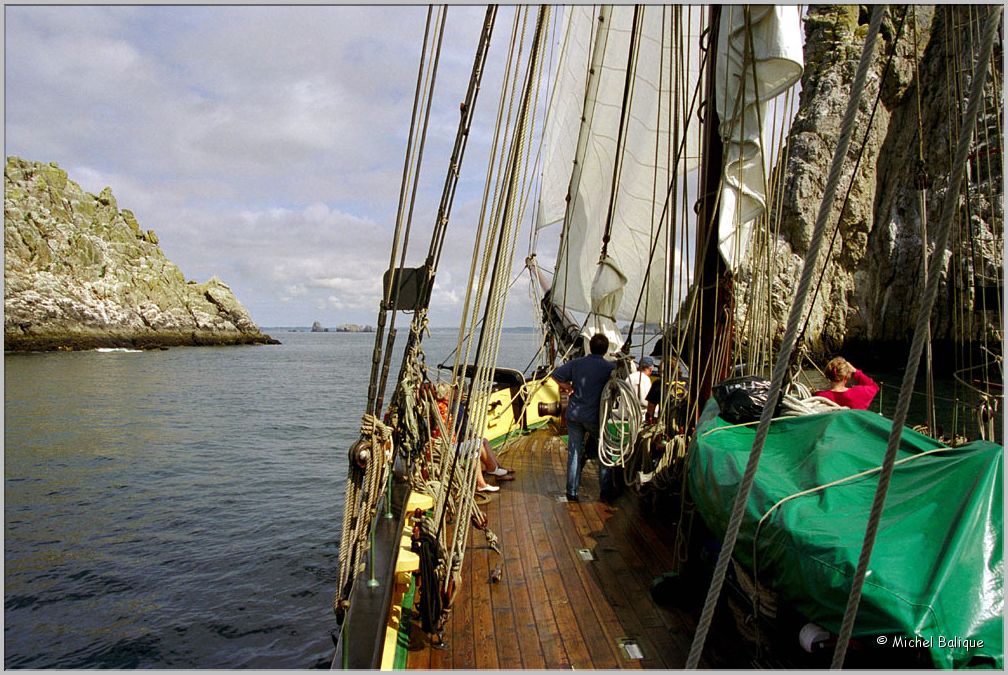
x=501, y=423
x=407, y=563
x=501, y=419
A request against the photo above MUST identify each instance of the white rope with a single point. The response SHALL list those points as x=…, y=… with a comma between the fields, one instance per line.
x=620, y=421
x=792, y=406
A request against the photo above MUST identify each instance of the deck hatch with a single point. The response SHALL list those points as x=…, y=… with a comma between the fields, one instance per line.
x=631, y=650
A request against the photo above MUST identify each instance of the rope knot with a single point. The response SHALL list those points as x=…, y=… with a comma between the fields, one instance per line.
x=373, y=427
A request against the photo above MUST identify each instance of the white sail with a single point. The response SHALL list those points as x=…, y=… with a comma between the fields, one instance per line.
x=583, y=146
x=773, y=37
x=564, y=115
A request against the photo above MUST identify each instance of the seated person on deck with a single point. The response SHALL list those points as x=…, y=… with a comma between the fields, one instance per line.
x=674, y=396
x=857, y=396
x=486, y=461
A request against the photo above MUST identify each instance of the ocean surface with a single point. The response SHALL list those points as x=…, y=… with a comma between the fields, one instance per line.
x=182, y=508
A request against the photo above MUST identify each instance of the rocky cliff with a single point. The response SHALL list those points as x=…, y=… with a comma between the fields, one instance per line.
x=904, y=140
x=79, y=273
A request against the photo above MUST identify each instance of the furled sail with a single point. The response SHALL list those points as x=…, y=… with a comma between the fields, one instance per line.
x=614, y=145
x=603, y=131
x=773, y=38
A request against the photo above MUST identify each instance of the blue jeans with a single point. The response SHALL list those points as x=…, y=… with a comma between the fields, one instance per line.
x=578, y=454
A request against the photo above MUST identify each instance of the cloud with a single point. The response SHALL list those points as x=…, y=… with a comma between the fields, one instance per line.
x=263, y=144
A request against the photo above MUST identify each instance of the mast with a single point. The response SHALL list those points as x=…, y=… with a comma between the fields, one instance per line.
x=709, y=356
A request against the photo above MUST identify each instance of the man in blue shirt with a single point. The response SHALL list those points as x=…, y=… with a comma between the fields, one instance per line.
x=584, y=379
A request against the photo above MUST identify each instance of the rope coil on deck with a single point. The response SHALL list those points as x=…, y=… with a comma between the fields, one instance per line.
x=621, y=421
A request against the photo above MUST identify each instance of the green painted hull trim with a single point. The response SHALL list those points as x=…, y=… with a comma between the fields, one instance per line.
x=403, y=636
x=502, y=439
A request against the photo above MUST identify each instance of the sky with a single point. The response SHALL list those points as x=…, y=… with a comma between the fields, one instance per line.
x=263, y=144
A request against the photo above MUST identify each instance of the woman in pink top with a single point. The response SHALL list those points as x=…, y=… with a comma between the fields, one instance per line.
x=861, y=392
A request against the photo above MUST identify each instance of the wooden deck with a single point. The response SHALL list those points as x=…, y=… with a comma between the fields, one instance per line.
x=551, y=607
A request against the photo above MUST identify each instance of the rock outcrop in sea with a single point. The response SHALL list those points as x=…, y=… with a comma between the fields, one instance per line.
x=873, y=275
x=79, y=273
x=353, y=328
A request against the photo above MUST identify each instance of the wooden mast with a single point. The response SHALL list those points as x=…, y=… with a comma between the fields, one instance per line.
x=709, y=355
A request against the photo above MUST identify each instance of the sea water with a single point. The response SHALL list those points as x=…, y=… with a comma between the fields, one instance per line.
x=182, y=508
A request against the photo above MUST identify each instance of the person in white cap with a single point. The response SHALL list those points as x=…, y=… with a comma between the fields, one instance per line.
x=640, y=380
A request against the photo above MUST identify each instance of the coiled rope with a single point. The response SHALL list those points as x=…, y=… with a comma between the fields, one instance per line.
x=620, y=418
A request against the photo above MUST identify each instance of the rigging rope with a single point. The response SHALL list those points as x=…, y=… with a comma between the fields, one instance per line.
x=509, y=226
x=780, y=369
x=923, y=183
x=501, y=237
x=674, y=179
x=980, y=279
x=363, y=485
x=632, y=53
x=467, y=110
x=402, y=230
x=949, y=207
x=594, y=69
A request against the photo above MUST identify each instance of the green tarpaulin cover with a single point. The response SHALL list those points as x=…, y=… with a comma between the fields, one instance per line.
x=936, y=568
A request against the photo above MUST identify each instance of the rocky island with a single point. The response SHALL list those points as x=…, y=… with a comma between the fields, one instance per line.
x=353, y=328
x=342, y=328
x=79, y=273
